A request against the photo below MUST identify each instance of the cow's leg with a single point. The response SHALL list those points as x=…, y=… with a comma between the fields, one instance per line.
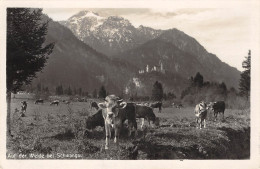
x=108, y=135
x=204, y=123
x=130, y=126
x=223, y=116
x=135, y=127
x=117, y=132
x=142, y=124
x=200, y=123
x=197, y=122
x=215, y=116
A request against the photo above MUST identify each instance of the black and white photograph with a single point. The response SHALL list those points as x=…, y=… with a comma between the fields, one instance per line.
x=130, y=83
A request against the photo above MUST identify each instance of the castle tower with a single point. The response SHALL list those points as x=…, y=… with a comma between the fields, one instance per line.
x=161, y=67
x=147, y=68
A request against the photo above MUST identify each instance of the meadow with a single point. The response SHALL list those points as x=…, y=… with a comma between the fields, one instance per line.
x=57, y=132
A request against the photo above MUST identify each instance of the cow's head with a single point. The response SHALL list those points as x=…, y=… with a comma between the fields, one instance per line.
x=111, y=106
x=210, y=105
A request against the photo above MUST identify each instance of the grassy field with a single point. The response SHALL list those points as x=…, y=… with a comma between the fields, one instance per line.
x=57, y=132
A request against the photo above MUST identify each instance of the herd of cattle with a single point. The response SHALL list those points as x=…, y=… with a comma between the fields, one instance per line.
x=113, y=112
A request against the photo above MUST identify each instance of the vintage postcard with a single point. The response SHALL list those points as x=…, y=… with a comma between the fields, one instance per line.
x=135, y=84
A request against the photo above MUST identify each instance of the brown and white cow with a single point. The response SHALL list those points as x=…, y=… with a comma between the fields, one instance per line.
x=146, y=113
x=201, y=114
x=23, y=108
x=38, y=101
x=113, y=116
x=217, y=107
x=55, y=102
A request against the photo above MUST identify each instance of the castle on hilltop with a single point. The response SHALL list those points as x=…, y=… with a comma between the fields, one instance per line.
x=156, y=68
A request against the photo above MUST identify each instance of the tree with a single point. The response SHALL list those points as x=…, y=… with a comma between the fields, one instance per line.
x=27, y=52
x=171, y=95
x=75, y=91
x=244, y=83
x=223, y=88
x=80, y=91
x=39, y=87
x=69, y=91
x=94, y=94
x=102, y=92
x=59, y=90
x=198, y=80
x=157, y=91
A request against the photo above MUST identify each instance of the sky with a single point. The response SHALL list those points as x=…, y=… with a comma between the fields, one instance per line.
x=224, y=32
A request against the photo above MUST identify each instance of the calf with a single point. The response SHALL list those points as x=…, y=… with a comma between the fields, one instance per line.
x=201, y=114
x=114, y=112
x=94, y=104
x=157, y=105
x=23, y=107
x=217, y=107
x=38, y=101
x=146, y=113
x=55, y=102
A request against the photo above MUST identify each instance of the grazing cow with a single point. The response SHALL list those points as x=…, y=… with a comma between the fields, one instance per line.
x=217, y=107
x=95, y=120
x=146, y=113
x=114, y=112
x=94, y=104
x=179, y=106
x=23, y=107
x=201, y=113
x=38, y=101
x=66, y=101
x=157, y=105
x=55, y=102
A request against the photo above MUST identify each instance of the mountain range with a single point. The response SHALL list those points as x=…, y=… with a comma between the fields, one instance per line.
x=108, y=35
x=92, y=50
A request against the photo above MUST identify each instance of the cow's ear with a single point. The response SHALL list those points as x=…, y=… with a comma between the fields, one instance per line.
x=122, y=105
x=102, y=105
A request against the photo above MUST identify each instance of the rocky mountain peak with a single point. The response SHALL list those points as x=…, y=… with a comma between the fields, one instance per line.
x=85, y=14
x=109, y=35
x=117, y=21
